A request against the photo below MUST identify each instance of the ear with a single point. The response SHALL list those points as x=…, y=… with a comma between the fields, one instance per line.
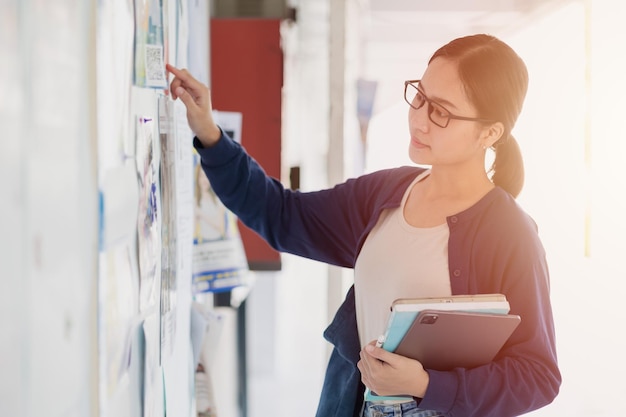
x=491, y=134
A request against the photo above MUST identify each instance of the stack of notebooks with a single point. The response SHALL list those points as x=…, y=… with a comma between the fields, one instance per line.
x=450, y=332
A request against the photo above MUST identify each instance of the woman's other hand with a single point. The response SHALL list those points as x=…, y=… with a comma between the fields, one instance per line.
x=387, y=373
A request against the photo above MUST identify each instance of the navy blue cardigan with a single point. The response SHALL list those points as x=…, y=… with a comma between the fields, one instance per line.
x=493, y=248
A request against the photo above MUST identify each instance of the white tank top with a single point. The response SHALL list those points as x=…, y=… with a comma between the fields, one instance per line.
x=398, y=261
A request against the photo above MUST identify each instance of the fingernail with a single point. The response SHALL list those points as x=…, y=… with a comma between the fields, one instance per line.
x=369, y=348
x=180, y=91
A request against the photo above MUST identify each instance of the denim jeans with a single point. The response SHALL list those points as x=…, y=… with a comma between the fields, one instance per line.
x=408, y=409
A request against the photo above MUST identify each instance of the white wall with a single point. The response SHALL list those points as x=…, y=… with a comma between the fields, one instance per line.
x=573, y=140
x=48, y=209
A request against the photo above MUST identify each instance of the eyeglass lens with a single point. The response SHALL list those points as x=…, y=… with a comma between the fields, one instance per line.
x=437, y=114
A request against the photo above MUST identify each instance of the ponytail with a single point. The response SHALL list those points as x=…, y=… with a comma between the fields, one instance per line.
x=508, y=166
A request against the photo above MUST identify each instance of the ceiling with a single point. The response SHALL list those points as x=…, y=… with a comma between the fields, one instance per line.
x=400, y=35
x=397, y=37
x=428, y=20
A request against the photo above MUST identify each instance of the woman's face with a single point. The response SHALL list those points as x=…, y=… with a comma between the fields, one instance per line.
x=460, y=141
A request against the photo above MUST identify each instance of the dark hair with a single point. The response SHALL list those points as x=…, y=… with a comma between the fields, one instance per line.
x=495, y=80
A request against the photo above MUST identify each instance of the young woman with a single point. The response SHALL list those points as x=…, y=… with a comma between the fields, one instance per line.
x=413, y=232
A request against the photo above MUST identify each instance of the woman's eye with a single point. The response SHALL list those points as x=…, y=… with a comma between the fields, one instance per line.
x=440, y=112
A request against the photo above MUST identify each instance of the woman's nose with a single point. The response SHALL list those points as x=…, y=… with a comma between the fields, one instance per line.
x=418, y=118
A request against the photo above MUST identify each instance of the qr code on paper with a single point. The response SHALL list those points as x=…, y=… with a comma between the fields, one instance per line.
x=155, y=67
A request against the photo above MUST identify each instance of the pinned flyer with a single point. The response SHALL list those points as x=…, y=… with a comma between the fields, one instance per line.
x=149, y=44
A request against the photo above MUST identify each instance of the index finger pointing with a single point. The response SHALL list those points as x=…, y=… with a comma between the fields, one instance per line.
x=187, y=80
x=182, y=74
x=173, y=70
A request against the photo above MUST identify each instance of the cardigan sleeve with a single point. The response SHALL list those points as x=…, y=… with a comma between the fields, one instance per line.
x=323, y=225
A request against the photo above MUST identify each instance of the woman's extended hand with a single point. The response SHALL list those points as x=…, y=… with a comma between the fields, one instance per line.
x=197, y=99
x=387, y=373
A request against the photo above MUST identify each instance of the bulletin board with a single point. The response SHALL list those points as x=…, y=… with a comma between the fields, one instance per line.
x=146, y=186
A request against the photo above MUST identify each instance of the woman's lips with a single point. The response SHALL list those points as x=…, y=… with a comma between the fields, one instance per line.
x=415, y=142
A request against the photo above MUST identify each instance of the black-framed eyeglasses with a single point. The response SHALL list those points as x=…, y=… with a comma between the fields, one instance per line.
x=437, y=114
